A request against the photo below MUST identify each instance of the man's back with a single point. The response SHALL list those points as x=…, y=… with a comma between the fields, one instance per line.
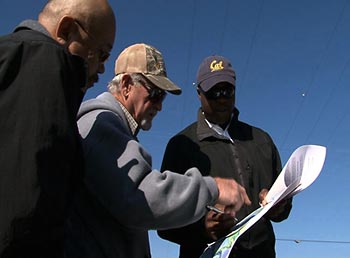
x=39, y=95
x=93, y=230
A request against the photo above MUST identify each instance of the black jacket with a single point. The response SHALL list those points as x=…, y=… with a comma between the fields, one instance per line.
x=252, y=160
x=40, y=149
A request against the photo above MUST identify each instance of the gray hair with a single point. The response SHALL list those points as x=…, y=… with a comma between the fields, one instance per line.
x=114, y=85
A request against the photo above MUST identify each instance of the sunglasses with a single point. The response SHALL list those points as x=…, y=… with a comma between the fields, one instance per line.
x=216, y=93
x=102, y=54
x=155, y=95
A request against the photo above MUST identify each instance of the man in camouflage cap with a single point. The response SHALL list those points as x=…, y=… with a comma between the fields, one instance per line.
x=122, y=197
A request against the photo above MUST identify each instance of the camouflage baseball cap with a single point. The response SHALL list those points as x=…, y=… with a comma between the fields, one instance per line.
x=147, y=60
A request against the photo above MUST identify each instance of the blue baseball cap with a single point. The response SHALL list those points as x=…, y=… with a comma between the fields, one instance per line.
x=215, y=69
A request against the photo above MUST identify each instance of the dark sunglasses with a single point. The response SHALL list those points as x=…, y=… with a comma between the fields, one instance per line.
x=226, y=93
x=156, y=95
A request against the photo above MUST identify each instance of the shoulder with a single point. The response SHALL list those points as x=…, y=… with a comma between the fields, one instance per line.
x=183, y=142
x=255, y=132
x=101, y=122
x=38, y=45
x=43, y=53
x=188, y=132
x=28, y=37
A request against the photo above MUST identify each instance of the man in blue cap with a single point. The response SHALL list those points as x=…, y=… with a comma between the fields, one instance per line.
x=221, y=145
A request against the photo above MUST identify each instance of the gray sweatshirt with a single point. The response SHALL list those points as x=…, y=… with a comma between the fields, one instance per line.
x=122, y=197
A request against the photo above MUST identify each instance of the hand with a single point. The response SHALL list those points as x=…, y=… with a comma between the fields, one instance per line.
x=232, y=195
x=262, y=196
x=277, y=209
x=218, y=225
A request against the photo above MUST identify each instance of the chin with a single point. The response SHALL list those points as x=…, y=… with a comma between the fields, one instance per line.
x=146, y=125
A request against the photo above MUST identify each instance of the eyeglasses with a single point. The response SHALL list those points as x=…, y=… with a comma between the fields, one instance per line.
x=102, y=55
x=216, y=93
x=155, y=95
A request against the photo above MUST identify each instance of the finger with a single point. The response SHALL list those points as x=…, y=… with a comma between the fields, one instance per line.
x=212, y=216
x=230, y=210
x=262, y=196
x=244, y=196
x=219, y=206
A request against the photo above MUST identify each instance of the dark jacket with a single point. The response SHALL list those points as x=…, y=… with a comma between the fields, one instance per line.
x=252, y=160
x=40, y=149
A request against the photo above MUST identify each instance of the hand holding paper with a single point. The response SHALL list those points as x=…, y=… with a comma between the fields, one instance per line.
x=219, y=224
x=300, y=171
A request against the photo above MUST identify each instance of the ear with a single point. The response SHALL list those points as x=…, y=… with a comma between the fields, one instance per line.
x=65, y=30
x=126, y=83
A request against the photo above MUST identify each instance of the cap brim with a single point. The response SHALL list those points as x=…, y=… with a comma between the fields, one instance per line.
x=211, y=81
x=164, y=83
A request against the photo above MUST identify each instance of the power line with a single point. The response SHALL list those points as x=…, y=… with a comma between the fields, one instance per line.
x=322, y=110
x=299, y=241
x=189, y=57
x=225, y=23
x=327, y=101
x=331, y=36
x=251, y=46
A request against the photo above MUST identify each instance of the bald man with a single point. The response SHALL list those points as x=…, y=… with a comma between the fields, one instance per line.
x=45, y=68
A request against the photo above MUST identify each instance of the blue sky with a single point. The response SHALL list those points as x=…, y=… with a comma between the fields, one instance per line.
x=292, y=64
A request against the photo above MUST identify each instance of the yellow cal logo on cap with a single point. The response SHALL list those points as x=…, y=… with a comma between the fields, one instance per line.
x=214, y=66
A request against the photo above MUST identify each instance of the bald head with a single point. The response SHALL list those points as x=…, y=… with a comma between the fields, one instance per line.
x=85, y=28
x=92, y=13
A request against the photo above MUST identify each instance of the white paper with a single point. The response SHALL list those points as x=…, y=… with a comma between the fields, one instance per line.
x=304, y=166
